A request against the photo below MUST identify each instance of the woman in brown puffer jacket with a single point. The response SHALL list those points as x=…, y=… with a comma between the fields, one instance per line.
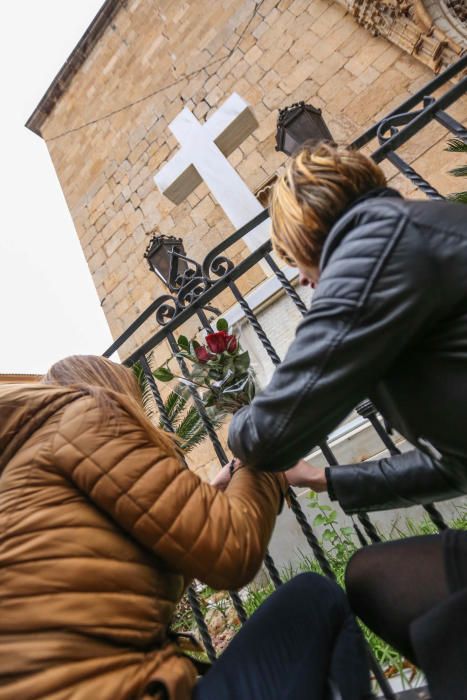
x=102, y=527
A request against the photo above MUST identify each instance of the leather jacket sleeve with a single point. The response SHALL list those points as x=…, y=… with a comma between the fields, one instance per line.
x=399, y=481
x=369, y=306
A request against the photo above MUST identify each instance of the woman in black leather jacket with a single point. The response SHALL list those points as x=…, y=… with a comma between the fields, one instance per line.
x=389, y=321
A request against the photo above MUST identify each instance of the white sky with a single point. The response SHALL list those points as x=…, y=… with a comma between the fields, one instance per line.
x=49, y=306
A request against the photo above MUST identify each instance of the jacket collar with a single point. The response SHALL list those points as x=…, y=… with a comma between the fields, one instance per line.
x=24, y=408
x=339, y=228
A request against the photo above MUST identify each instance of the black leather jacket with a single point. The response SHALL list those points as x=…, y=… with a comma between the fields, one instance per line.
x=388, y=321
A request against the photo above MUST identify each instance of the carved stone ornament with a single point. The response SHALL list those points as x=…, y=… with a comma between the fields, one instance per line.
x=458, y=8
x=434, y=31
x=451, y=17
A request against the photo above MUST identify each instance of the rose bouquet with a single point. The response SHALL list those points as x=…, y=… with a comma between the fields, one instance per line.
x=219, y=369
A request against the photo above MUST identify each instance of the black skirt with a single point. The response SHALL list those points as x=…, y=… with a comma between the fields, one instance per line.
x=455, y=558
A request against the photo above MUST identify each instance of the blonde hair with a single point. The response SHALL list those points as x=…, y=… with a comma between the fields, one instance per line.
x=110, y=384
x=320, y=181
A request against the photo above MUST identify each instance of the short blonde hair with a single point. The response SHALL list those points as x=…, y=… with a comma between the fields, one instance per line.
x=320, y=181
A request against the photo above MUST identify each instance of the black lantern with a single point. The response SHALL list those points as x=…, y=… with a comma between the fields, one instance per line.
x=297, y=124
x=166, y=257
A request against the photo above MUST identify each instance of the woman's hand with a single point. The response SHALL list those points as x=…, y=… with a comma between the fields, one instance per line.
x=302, y=474
x=306, y=475
x=222, y=478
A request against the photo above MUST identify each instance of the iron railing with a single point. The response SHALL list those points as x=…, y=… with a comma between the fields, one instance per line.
x=218, y=274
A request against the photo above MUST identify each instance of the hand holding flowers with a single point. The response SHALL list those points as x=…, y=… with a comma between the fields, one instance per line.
x=221, y=371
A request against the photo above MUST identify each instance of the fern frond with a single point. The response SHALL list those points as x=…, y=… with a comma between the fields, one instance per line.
x=192, y=430
x=139, y=374
x=146, y=393
x=461, y=171
x=458, y=197
x=188, y=424
x=457, y=146
x=174, y=404
x=194, y=440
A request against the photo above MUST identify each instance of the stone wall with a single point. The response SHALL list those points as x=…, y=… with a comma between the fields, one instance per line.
x=108, y=133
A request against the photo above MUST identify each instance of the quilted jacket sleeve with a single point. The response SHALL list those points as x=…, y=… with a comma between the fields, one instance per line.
x=196, y=530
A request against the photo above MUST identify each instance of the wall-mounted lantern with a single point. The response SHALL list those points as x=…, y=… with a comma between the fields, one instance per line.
x=299, y=123
x=166, y=258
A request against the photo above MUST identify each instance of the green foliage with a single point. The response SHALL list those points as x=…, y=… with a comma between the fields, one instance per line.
x=185, y=418
x=339, y=545
x=460, y=197
x=222, y=325
x=339, y=540
x=255, y=597
x=459, y=522
x=219, y=369
x=184, y=343
x=461, y=171
x=163, y=374
x=458, y=146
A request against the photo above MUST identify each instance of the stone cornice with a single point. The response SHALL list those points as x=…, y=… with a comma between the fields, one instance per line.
x=73, y=63
x=409, y=25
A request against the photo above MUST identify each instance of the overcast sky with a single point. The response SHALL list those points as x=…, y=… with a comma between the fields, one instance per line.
x=49, y=306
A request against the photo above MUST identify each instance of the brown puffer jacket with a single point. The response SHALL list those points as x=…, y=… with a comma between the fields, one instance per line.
x=100, y=531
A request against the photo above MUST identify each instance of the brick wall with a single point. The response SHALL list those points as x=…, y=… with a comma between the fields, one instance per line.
x=108, y=134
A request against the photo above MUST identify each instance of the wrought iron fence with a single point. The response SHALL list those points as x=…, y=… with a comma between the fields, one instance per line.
x=202, y=283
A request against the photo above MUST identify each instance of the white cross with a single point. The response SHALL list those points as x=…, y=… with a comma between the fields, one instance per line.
x=202, y=156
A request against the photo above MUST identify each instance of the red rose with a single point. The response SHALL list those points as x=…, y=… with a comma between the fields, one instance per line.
x=231, y=343
x=202, y=354
x=217, y=341
x=221, y=341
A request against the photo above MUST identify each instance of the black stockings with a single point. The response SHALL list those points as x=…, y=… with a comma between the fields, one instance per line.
x=390, y=585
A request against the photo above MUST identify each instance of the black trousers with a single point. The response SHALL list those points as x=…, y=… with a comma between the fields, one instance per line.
x=303, y=635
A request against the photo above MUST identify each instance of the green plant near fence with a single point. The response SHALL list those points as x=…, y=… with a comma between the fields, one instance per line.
x=183, y=415
x=458, y=146
x=339, y=545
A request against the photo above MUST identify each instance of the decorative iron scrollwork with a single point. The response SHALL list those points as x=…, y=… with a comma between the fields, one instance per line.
x=193, y=283
x=191, y=290
x=167, y=310
x=219, y=266
x=392, y=125
x=192, y=271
